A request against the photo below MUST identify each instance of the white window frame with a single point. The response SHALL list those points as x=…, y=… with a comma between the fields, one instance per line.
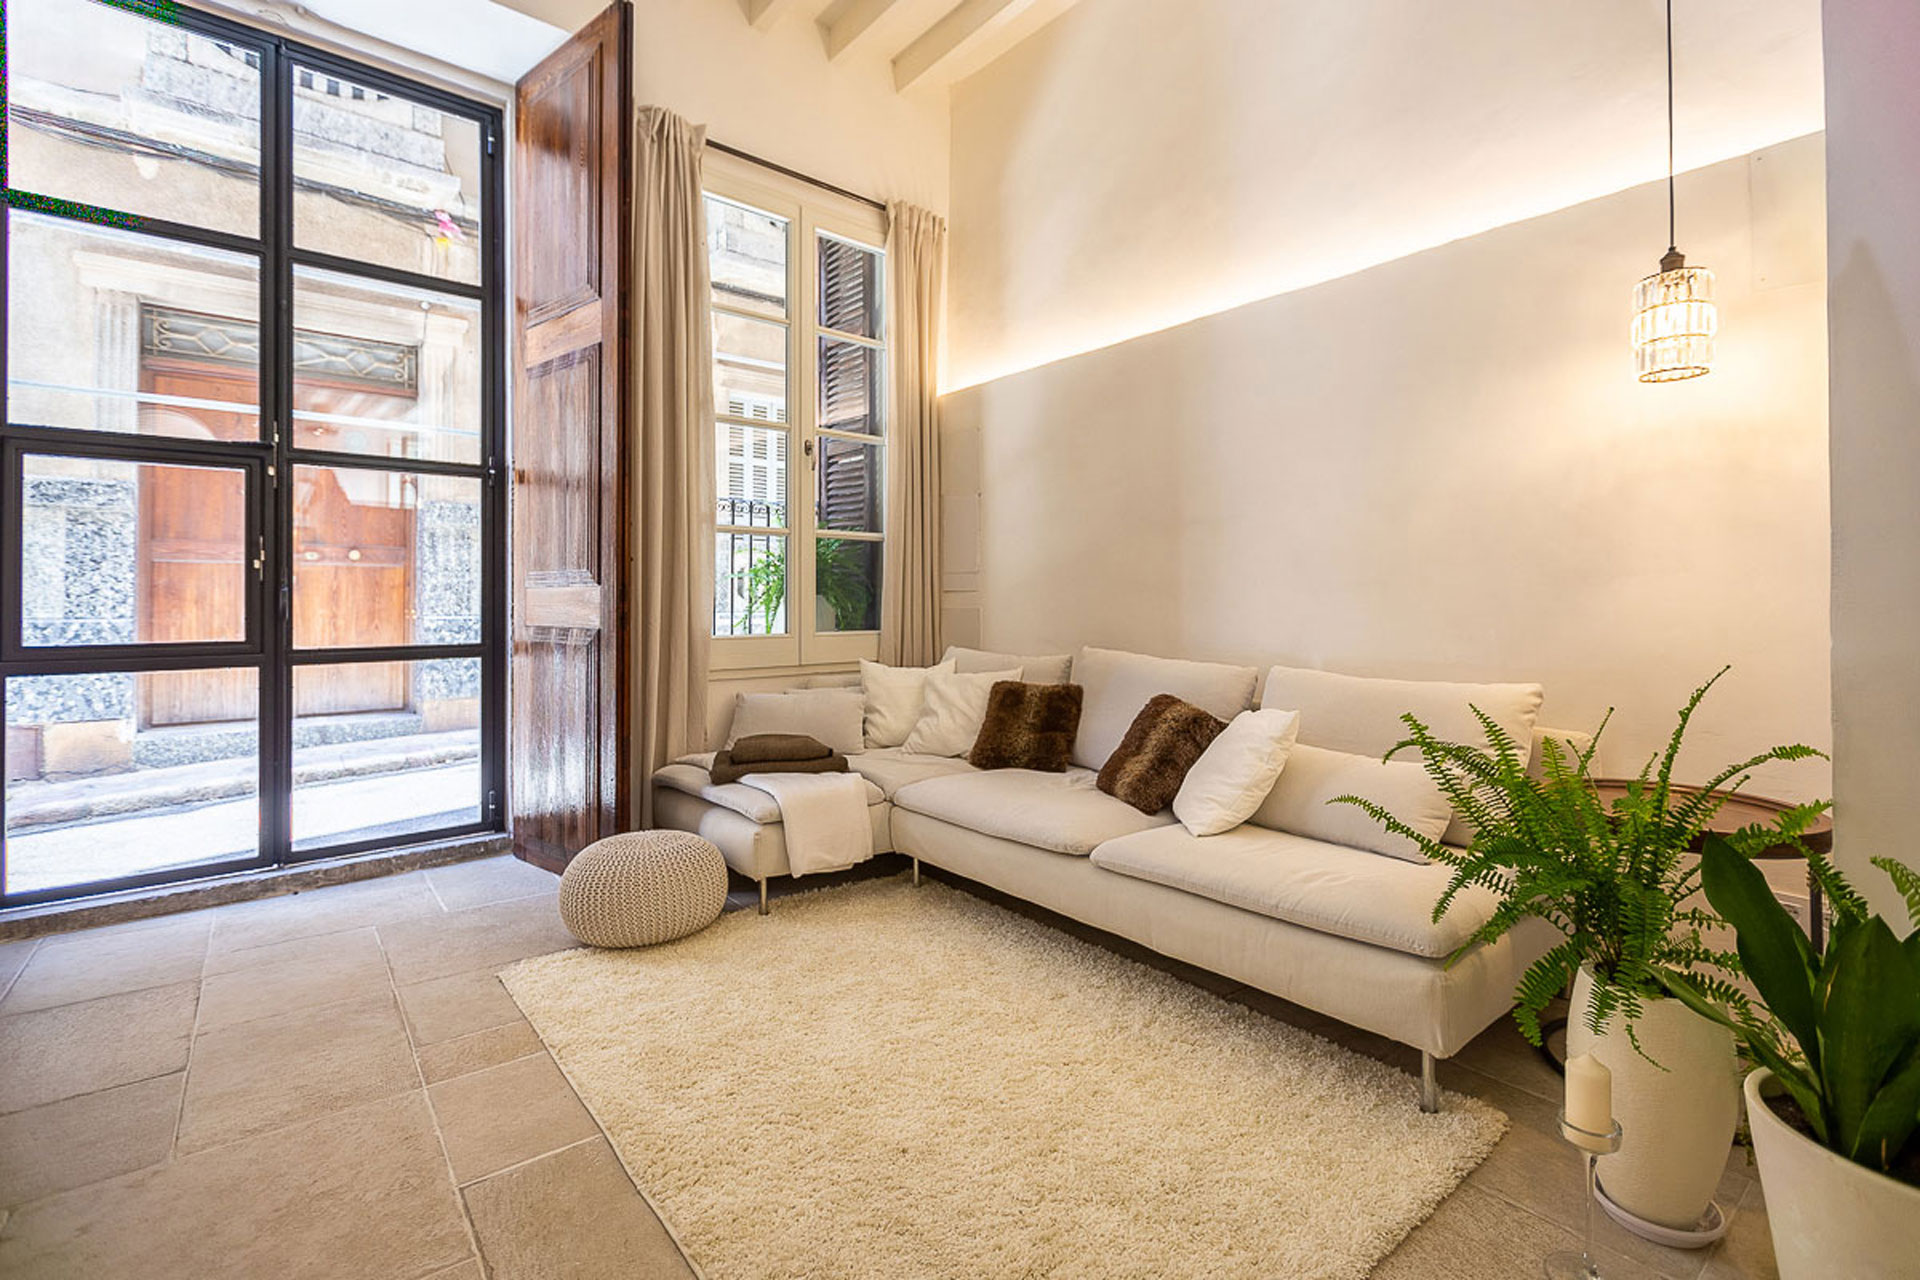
x=810, y=212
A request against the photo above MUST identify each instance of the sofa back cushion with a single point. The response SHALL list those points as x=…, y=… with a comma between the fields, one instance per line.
x=831, y=715
x=1161, y=744
x=956, y=707
x=895, y=698
x=1300, y=801
x=1362, y=714
x=1034, y=669
x=1118, y=684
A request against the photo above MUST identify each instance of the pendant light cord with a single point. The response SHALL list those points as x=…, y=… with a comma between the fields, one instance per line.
x=1672, y=244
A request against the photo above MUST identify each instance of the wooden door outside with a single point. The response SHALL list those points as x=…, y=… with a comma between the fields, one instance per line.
x=569, y=718
x=353, y=575
x=193, y=559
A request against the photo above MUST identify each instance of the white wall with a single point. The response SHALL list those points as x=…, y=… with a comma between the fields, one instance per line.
x=1873, y=195
x=1443, y=466
x=1139, y=163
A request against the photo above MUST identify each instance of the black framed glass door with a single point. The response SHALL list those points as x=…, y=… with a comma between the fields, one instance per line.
x=252, y=551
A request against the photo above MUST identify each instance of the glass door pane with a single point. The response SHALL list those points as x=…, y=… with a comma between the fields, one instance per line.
x=120, y=552
x=112, y=109
x=118, y=774
x=380, y=178
x=130, y=333
x=385, y=371
x=409, y=767
x=384, y=558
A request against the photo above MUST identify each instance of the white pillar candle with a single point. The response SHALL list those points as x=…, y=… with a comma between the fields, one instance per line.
x=1589, y=1094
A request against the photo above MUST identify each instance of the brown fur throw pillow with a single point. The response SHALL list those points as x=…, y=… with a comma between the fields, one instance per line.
x=1028, y=726
x=1163, y=742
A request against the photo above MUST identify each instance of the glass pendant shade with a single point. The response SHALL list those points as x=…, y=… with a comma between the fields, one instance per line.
x=1674, y=321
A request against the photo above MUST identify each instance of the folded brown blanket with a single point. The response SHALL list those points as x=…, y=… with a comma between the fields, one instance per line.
x=727, y=769
x=756, y=747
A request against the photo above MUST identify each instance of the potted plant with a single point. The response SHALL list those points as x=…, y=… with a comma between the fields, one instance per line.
x=1618, y=882
x=1835, y=1104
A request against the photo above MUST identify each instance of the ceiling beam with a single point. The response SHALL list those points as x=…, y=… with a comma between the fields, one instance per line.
x=762, y=14
x=847, y=20
x=949, y=35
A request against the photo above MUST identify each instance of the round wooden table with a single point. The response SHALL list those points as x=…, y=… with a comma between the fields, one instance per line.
x=1743, y=810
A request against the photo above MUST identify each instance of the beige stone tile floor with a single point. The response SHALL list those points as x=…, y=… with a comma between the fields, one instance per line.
x=335, y=1084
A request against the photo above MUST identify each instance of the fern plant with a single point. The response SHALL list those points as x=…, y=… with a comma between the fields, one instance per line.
x=1618, y=881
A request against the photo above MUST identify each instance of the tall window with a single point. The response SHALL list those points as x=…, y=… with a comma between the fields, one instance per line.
x=250, y=548
x=800, y=427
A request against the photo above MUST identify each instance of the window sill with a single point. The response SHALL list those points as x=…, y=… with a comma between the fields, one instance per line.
x=779, y=670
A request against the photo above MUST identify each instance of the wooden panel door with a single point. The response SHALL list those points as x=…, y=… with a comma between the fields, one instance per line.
x=193, y=570
x=569, y=719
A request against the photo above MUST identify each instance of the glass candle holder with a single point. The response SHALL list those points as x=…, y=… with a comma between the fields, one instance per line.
x=1566, y=1264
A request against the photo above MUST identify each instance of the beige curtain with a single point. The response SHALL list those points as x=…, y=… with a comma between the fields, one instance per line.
x=910, y=602
x=671, y=582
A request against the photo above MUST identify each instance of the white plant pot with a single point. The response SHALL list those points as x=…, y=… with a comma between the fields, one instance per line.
x=1830, y=1217
x=1676, y=1124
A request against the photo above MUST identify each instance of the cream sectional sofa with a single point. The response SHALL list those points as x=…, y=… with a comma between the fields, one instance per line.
x=1345, y=932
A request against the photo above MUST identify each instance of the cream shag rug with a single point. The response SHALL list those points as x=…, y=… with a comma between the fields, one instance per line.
x=883, y=1081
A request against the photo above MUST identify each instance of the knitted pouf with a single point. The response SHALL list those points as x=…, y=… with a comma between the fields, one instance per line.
x=642, y=887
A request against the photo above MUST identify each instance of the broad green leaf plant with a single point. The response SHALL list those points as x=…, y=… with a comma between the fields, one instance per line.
x=1840, y=1030
x=1618, y=881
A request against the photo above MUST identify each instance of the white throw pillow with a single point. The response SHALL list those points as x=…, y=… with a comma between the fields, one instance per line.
x=1047, y=669
x=895, y=698
x=831, y=715
x=1362, y=713
x=1236, y=772
x=956, y=707
x=1314, y=776
x=1118, y=684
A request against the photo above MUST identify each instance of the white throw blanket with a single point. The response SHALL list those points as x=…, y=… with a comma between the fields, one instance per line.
x=825, y=816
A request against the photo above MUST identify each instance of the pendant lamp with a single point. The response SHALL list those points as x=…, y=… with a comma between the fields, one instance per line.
x=1674, y=318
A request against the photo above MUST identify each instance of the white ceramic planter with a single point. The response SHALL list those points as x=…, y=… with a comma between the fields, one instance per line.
x=1676, y=1124
x=1830, y=1217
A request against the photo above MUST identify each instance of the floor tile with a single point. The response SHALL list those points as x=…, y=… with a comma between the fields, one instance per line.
x=13, y=958
x=86, y=1139
x=1475, y=1235
x=1503, y=1053
x=1746, y=1251
x=468, y=1270
x=104, y=962
x=294, y=975
x=572, y=1214
x=502, y=1115
x=487, y=880
x=359, y=1193
x=457, y=1005
x=1534, y=1168
x=332, y=909
x=478, y=1051
x=294, y=1067
x=73, y=1049
x=495, y=935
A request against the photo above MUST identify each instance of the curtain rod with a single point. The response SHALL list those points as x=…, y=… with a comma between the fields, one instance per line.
x=750, y=158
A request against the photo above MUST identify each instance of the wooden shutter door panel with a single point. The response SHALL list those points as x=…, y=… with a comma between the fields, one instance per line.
x=569, y=718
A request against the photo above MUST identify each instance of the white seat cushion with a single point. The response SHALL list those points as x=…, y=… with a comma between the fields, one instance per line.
x=689, y=774
x=1063, y=812
x=891, y=768
x=1052, y=668
x=1118, y=684
x=1326, y=887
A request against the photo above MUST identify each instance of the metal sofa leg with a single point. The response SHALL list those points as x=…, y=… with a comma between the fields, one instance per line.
x=1429, y=1084
x=916, y=873
x=763, y=895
